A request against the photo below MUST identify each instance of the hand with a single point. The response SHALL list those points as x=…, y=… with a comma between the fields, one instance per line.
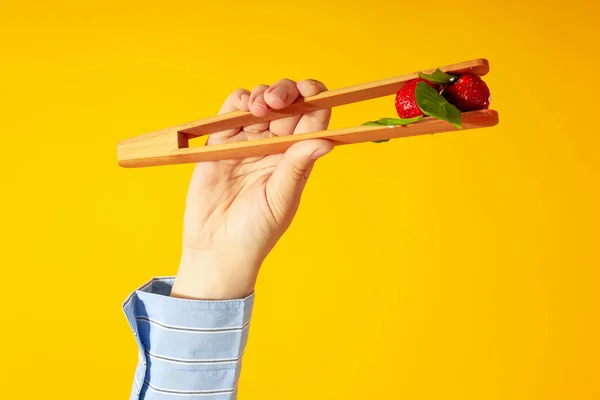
x=236, y=210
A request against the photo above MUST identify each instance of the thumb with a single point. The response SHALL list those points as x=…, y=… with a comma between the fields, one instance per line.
x=285, y=186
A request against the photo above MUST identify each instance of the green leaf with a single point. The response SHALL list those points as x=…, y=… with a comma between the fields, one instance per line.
x=397, y=121
x=375, y=123
x=391, y=122
x=439, y=77
x=434, y=104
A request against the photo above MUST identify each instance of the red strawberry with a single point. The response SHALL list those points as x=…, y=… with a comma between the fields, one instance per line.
x=406, y=105
x=468, y=93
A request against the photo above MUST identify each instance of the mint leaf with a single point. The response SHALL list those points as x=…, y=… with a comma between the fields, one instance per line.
x=398, y=121
x=439, y=77
x=434, y=104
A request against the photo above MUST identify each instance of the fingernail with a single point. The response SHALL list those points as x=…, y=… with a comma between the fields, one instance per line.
x=320, y=152
x=256, y=103
x=280, y=93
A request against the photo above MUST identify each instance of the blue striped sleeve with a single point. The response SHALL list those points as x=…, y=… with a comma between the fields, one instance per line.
x=188, y=349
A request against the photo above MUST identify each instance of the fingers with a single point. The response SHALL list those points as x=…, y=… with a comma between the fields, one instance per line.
x=281, y=94
x=258, y=107
x=257, y=104
x=285, y=186
x=311, y=87
x=316, y=120
x=275, y=97
x=264, y=98
x=237, y=100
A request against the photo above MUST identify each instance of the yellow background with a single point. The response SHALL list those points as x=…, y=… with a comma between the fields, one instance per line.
x=455, y=266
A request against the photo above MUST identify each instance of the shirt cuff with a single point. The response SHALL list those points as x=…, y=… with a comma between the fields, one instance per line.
x=186, y=347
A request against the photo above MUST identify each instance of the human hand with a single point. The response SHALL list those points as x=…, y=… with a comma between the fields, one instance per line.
x=236, y=210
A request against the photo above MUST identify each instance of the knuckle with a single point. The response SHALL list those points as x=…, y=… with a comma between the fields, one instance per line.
x=299, y=174
x=287, y=82
x=318, y=84
x=257, y=97
x=256, y=128
x=288, y=85
x=237, y=93
x=257, y=92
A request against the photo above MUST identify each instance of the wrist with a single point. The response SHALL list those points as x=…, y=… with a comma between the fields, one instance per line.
x=213, y=275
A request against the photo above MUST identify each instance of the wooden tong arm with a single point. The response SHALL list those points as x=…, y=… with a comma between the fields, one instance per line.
x=136, y=157
x=328, y=99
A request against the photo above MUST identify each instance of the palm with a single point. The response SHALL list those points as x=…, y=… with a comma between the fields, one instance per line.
x=247, y=204
x=227, y=202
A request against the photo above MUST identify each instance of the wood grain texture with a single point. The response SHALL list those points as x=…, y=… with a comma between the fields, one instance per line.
x=262, y=147
x=170, y=145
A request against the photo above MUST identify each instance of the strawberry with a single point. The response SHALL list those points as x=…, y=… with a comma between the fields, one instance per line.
x=406, y=105
x=468, y=93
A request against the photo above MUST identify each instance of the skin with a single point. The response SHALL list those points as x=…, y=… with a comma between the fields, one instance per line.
x=236, y=210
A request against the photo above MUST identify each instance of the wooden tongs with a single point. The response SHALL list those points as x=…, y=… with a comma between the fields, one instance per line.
x=171, y=145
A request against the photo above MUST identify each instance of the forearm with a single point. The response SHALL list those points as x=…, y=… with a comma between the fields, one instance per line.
x=213, y=275
x=186, y=347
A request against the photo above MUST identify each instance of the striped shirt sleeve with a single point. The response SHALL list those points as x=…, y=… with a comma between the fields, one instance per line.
x=188, y=349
